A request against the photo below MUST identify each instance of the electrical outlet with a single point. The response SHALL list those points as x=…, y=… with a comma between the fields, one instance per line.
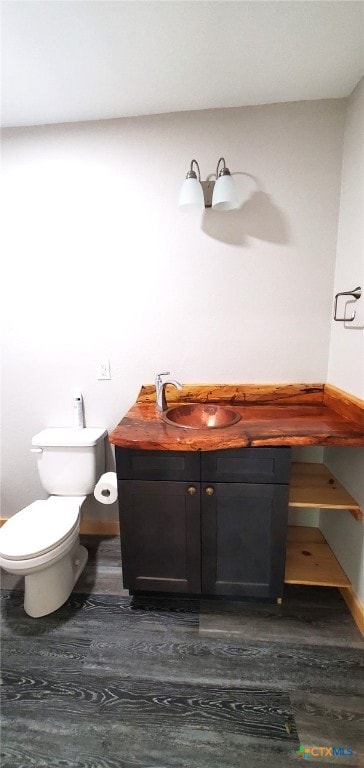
x=103, y=370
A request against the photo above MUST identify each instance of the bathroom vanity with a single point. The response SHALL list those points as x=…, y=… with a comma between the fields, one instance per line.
x=204, y=522
x=204, y=511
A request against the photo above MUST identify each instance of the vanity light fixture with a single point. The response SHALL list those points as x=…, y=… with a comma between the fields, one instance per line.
x=224, y=195
x=219, y=194
x=191, y=194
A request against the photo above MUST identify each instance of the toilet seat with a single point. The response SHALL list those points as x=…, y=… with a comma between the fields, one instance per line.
x=40, y=527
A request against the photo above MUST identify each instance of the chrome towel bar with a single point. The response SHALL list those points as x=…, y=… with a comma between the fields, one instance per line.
x=356, y=294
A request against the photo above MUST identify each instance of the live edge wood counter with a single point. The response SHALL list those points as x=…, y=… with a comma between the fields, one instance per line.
x=292, y=414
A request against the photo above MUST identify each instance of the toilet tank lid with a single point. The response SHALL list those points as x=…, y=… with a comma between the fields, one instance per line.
x=68, y=437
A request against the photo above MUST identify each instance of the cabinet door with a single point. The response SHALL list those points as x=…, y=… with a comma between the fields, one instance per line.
x=247, y=465
x=160, y=536
x=157, y=465
x=243, y=539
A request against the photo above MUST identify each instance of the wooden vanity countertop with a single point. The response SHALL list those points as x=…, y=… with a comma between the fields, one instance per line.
x=271, y=414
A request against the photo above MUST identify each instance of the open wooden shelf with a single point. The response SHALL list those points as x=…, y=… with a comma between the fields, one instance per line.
x=313, y=485
x=309, y=559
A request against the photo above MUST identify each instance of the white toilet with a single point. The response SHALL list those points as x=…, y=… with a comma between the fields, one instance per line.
x=41, y=542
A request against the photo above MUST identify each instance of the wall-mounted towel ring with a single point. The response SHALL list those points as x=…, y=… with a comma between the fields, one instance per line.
x=355, y=293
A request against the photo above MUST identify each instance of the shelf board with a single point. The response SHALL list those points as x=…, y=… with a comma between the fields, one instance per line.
x=309, y=560
x=313, y=485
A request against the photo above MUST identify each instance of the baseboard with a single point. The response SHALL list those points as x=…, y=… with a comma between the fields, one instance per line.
x=100, y=527
x=355, y=607
x=93, y=527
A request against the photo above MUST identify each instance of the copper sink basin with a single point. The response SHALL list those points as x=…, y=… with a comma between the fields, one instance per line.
x=201, y=416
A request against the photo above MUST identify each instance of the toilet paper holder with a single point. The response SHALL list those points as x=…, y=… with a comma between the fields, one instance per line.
x=106, y=489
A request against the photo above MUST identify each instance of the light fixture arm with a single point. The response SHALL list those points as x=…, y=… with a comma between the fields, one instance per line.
x=224, y=170
x=191, y=173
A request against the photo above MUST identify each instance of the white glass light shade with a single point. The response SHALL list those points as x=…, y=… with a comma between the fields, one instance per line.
x=191, y=196
x=224, y=197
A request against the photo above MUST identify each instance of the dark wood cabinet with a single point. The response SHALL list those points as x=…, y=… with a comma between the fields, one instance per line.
x=246, y=465
x=209, y=523
x=243, y=533
x=160, y=524
x=157, y=465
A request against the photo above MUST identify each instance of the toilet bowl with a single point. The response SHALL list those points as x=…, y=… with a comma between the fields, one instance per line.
x=41, y=542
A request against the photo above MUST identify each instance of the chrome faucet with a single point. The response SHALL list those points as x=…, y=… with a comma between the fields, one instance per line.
x=161, y=402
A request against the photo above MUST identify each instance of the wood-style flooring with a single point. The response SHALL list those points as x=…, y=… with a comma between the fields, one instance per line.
x=108, y=681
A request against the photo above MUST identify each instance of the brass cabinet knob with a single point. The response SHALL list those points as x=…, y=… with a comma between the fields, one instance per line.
x=191, y=490
x=210, y=491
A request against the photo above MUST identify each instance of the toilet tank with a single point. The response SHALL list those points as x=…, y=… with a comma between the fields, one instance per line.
x=70, y=461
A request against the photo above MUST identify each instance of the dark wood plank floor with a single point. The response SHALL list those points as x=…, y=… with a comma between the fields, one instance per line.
x=113, y=682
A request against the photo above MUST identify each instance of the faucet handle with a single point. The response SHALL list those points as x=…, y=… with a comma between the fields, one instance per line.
x=166, y=373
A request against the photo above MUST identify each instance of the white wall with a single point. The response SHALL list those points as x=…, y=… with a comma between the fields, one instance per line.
x=346, y=359
x=346, y=362
x=101, y=264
